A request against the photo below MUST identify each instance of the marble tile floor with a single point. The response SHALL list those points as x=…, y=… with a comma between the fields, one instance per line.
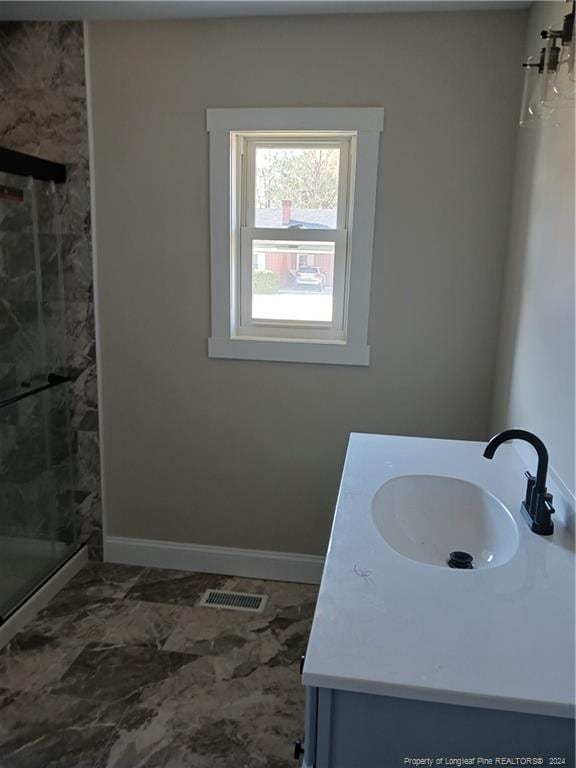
x=123, y=670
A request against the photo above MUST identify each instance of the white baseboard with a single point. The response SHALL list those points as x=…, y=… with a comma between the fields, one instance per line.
x=41, y=597
x=250, y=563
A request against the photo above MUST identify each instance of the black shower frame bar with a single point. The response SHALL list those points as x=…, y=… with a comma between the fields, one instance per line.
x=27, y=165
x=53, y=380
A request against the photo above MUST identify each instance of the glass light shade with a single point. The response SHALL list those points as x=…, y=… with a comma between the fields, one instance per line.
x=564, y=84
x=547, y=97
x=531, y=109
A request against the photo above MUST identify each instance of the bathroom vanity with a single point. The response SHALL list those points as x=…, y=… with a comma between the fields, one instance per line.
x=411, y=659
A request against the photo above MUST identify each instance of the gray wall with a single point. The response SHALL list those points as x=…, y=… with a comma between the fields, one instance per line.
x=43, y=113
x=249, y=454
x=535, y=382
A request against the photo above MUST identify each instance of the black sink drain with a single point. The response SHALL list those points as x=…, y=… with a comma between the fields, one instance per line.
x=461, y=560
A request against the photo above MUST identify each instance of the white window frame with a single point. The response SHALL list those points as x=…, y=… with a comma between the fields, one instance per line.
x=248, y=327
x=345, y=340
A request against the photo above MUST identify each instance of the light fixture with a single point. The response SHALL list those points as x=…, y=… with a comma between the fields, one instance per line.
x=531, y=107
x=564, y=84
x=549, y=80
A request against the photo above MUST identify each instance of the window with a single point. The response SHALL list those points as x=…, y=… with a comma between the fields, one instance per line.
x=292, y=218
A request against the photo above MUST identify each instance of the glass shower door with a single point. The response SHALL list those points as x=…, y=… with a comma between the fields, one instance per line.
x=37, y=531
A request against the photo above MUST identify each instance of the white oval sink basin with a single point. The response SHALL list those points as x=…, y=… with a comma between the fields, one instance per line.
x=426, y=517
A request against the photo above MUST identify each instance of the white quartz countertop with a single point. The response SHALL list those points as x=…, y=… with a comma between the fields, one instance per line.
x=500, y=637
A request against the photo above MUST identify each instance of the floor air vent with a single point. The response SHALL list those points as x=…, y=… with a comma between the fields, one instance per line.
x=233, y=601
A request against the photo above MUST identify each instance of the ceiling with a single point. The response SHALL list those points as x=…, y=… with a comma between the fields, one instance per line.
x=23, y=10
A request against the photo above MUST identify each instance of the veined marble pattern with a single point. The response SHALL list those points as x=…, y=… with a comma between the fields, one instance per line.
x=124, y=670
x=43, y=96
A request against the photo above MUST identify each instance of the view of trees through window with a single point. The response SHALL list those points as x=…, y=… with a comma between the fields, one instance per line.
x=307, y=178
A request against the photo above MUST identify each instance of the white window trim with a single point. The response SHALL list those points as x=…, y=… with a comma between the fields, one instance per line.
x=367, y=124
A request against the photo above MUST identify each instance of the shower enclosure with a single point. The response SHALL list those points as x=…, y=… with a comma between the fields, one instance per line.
x=37, y=521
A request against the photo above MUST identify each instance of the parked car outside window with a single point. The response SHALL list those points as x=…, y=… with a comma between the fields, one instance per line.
x=310, y=276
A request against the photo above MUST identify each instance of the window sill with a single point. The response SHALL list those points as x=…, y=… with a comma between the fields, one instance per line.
x=328, y=353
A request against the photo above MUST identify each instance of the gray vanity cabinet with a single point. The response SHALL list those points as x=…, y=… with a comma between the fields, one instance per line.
x=357, y=730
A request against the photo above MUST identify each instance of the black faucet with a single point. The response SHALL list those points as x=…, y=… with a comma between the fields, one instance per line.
x=537, y=507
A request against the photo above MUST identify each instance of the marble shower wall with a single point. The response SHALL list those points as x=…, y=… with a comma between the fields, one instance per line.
x=43, y=113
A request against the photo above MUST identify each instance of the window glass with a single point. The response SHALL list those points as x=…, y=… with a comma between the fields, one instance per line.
x=296, y=188
x=292, y=280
